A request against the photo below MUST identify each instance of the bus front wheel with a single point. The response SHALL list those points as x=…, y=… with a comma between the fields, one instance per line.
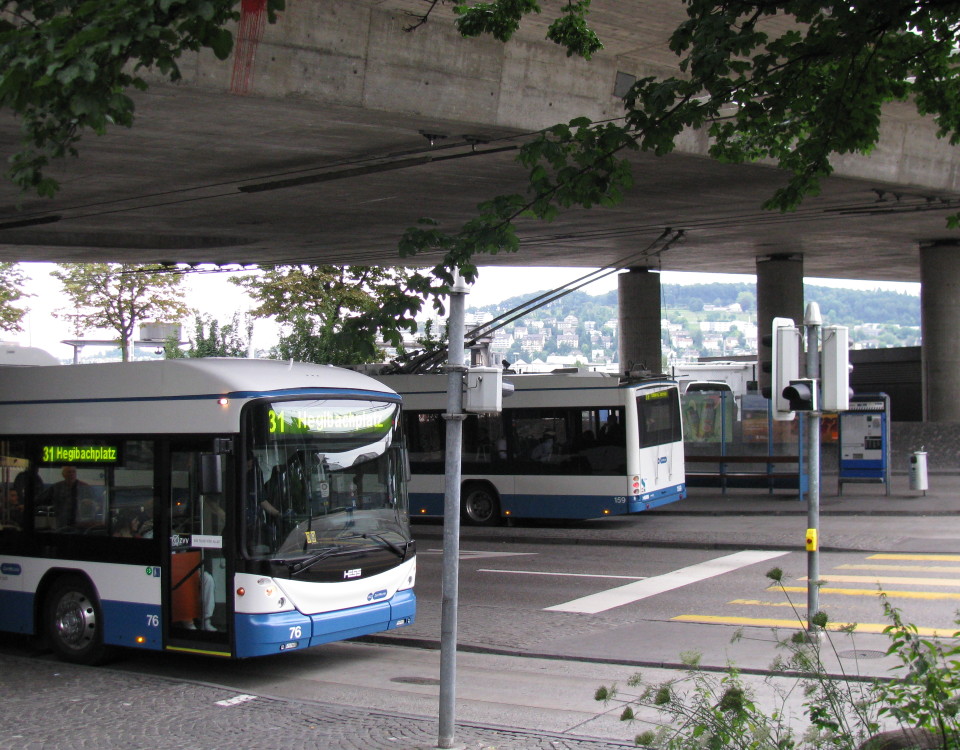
x=73, y=622
x=481, y=506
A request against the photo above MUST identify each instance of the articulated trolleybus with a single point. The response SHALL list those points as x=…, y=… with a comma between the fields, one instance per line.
x=572, y=445
x=226, y=507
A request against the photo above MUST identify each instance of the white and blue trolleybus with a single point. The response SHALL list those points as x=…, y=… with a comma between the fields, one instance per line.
x=226, y=507
x=570, y=445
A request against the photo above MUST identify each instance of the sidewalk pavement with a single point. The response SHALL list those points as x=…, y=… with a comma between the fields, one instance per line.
x=49, y=705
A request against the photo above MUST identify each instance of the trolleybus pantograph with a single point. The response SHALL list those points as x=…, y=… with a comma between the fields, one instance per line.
x=226, y=507
x=571, y=445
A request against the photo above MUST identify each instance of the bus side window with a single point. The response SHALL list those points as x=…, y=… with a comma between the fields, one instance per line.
x=425, y=437
x=73, y=498
x=132, y=492
x=16, y=472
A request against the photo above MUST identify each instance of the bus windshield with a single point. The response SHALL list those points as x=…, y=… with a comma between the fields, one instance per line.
x=323, y=476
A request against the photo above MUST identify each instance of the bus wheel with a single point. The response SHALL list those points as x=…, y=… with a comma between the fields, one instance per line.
x=480, y=505
x=74, y=627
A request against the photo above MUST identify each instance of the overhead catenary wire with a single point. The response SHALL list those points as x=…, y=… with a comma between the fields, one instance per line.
x=424, y=361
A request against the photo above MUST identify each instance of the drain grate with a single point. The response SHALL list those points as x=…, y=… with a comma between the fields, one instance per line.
x=416, y=680
x=862, y=653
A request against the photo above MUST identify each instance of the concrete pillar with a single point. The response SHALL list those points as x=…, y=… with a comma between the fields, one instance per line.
x=940, y=329
x=639, y=327
x=779, y=295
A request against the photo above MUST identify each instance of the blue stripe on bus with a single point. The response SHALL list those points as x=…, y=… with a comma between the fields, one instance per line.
x=16, y=611
x=124, y=622
x=259, y=635
x=574, y=507
x=660, y=497
x=380, y=395
x=403, y=608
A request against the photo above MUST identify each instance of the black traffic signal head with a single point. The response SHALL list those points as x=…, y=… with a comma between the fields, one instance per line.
x=802, y=395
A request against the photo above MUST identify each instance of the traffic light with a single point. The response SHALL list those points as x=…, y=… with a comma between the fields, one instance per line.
x=801, y=395
x=783, y=365
x=835, y=368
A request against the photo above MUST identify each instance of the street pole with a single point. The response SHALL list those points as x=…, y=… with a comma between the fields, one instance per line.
x=813, y=321
x=451, y=515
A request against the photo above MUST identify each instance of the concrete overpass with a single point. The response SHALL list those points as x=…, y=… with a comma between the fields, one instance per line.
x=332, y=131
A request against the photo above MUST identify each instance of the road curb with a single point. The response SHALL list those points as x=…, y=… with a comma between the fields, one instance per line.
x=638, y=542
x=431, y=644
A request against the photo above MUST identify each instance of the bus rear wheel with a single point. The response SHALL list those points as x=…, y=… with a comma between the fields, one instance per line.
x=73, y=622
x=480, y=505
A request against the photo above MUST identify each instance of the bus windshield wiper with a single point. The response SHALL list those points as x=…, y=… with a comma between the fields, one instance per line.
x=308, y=562
x=399, y=549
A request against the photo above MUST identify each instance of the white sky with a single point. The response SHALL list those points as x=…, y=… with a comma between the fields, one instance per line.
x=214, y=295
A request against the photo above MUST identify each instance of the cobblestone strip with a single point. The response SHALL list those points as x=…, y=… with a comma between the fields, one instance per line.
x=51, y=706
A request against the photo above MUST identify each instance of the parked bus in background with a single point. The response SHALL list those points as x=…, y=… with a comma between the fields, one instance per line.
x=574, y=445
x=212, y=506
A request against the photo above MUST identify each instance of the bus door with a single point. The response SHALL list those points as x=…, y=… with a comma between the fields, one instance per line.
x=198, y=608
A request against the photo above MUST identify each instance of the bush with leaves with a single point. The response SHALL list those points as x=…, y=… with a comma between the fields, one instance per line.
x=920, y=707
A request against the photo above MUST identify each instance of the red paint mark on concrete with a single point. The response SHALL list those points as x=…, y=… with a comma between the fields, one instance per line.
x=249, y=34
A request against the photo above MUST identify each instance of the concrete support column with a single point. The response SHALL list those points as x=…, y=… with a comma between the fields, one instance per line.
x=940, y=329
x=639, y=326
x=779, y=295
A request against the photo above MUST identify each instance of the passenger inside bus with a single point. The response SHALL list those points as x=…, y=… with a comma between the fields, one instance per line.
x=127, y=523
x=612, y=432
x=11, y=511
x=67, y=497
x=28, y=482
x=543, y=451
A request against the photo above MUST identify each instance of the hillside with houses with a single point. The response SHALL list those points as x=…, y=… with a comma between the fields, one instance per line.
x=700, y=320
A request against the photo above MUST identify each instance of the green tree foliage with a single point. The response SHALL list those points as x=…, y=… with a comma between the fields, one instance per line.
x=119, y=296
x=12, y=282
x=66, y=66
x=794, y=93
x=211, y=339
x=337, y=314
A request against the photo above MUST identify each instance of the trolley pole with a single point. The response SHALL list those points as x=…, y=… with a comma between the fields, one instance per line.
x=813, y=321
x=451, y=515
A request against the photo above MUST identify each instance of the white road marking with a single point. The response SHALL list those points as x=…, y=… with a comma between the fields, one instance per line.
x=478, y=554
x=570, y=575
x=236, y=700
x=633, y=592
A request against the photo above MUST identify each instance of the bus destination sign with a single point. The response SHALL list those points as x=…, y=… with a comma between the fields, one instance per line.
x=299, y=420
x=80, y=454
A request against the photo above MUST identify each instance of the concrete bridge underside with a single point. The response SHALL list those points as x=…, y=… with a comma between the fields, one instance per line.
x=313, y=144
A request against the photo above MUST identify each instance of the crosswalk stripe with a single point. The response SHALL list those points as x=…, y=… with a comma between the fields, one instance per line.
x=932, y=595
x=917, y=557
x=632, y=592
x=768, y=622
x=917, y=568
x=903, y=580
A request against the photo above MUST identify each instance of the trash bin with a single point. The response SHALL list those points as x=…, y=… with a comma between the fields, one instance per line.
x=918, y=471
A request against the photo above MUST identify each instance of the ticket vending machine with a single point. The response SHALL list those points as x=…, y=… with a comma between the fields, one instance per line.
x=864, y=441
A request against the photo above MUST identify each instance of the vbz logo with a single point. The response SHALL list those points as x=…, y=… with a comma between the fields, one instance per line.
x=376, y=595
x=662, y=460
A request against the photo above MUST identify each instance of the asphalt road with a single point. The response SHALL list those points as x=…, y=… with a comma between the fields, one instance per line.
x=526, y=596
x=544, y=621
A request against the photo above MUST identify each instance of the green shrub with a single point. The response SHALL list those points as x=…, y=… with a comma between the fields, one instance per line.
x=716, y=711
